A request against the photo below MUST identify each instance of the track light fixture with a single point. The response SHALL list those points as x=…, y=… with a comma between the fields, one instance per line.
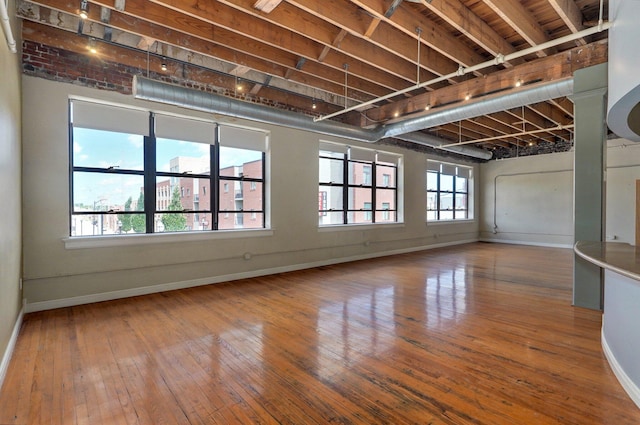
x=314, y=105
x=518, y=83
x=163, y=66
x=426, y=108
x=92, y=46
x=467, y=97
x=84, y=9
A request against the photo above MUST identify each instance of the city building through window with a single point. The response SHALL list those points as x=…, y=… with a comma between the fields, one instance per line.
x=357, y=185
x=134, y=171
x=448, y=196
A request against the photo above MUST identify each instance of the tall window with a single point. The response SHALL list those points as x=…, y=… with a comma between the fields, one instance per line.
x=133, y=171
x=357, y=185
x=447, y=191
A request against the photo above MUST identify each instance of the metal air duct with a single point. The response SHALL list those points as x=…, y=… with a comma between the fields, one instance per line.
x=539, y=93
x=147, y=89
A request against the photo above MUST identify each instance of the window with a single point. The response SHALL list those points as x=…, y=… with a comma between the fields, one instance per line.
x=353, y=188
x=366, y=175
x=447, y=191
x=133, y=171
x=367, y=211
x=385, y=211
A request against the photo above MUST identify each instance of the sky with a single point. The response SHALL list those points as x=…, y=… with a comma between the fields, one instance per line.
x=103, y=149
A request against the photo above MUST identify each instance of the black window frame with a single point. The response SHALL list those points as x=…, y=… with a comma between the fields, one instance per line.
x=149, y=173
x=346, y=185
x=439, y=192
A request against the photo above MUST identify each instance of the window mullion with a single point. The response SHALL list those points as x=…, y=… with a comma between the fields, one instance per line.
x=71, y=165
x=214, y=160
x=374, y=184
x=150, y=175
x=345, y=189
x=438, y=195
x=264, y=185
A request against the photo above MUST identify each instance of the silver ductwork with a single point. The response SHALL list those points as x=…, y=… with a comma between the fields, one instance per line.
x=155, y=91
x=539, y=93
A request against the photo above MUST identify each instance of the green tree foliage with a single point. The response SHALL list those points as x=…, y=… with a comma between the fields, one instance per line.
x=126, y=219
x=174, y=222
x=138, y=221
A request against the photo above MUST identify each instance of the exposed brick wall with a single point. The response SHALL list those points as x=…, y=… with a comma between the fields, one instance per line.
x=60, y=65
x=538, y=149
x=55, y=64
x=47, y=62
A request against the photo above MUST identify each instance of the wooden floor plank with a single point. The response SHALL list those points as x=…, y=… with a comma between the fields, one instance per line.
x=473, y=334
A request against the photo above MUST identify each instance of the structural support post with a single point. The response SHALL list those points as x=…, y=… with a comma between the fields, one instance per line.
x=589, y=98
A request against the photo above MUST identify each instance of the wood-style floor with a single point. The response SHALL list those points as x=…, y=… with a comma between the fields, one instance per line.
x=477, y=334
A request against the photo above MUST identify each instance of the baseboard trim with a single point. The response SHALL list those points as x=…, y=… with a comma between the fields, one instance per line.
x=145, y=290
x=629, y=386
x=543, y=244
x=8, y=352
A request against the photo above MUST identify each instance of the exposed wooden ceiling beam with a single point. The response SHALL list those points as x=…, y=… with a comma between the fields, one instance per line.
x=336, y=43
x=521, y=20
x=222, y=16
x=222, y=44
x=434, y=35
x=468, y=23
x=266, y=6
x=372, y=27
x=68, y=22
x=320, y=21
x=551, y=68
x=570, y=14
x=565, y=105
x=108, y=52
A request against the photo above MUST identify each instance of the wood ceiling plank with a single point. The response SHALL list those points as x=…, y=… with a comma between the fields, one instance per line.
x=322, y=20
x=372, y=27
x=521, y=20
x=223, y=16
x=142, y=28
x=348, y=17
x=565, y=105
x=209, y=40
x=70, y=41
x=468, y=23
x=570, y=15
x=550, y=112
x=551, y=68
x=433, y=35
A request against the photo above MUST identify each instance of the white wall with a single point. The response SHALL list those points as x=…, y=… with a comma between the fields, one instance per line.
x=623, y=169
x=57, y=276
x=10, y=166
x=528, y=200
x=534, y=197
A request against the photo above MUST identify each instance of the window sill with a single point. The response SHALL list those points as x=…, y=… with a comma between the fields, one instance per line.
x=363, y=226
x=443, y=222
x=81, y=242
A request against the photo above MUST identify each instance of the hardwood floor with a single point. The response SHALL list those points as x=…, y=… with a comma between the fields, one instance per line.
x=476, y=334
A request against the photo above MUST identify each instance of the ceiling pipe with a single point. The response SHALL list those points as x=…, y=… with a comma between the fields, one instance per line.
x=156, y=91
x=6, y=27
x=538, y=93
x=500, y=59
